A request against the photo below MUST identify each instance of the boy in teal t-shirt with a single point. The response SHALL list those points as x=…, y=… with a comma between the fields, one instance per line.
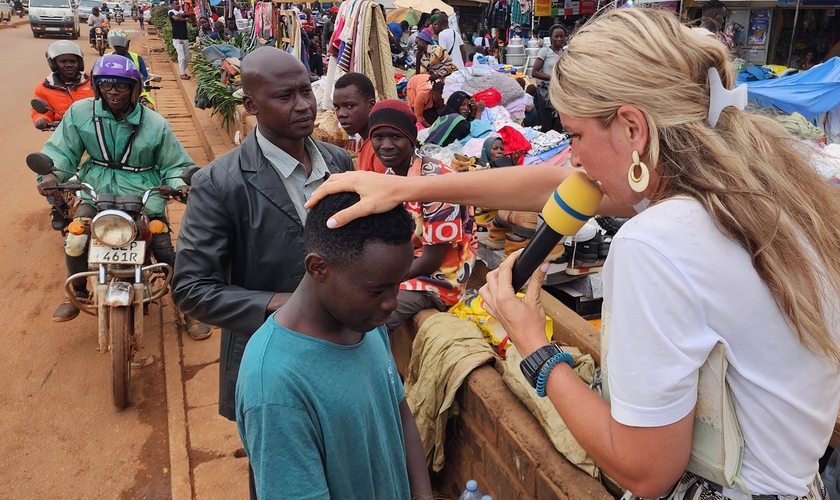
x=319, y=403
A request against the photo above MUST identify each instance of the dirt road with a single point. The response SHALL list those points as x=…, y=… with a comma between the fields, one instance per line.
x=61, y=436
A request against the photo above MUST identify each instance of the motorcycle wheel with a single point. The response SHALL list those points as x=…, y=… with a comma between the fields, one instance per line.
x=100, y=46
x=120, y=324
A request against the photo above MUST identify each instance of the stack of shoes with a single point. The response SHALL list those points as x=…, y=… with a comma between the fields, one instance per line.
x=521, y=223
x=495, y=236
x=588, y=251
x=514, y=242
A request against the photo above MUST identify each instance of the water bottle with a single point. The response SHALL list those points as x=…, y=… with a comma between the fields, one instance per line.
x=486, y=497
x=472, y=492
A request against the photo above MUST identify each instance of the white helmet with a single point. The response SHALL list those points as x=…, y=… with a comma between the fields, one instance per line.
x=64, y=47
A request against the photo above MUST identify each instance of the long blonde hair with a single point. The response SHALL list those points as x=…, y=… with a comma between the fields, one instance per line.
x=747, y=172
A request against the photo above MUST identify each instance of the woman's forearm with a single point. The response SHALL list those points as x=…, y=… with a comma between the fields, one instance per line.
x=524, y=188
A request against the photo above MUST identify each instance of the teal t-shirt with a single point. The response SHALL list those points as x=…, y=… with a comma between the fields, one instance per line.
x=321, y=420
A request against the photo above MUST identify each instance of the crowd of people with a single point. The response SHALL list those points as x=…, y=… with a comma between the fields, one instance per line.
x=307, y=267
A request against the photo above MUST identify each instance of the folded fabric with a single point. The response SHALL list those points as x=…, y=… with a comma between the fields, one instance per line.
x=514, y=140
x=490, y=96
x=545, y=412
x=445, y=350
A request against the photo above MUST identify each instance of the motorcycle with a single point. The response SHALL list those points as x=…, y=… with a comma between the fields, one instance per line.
x=66, y=203
x=119, y=16
x=135, y=13
x=100, y=40
x=120, y=261
x=19, y=12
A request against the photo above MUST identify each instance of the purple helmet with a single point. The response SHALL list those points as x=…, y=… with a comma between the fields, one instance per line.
x=116, y=69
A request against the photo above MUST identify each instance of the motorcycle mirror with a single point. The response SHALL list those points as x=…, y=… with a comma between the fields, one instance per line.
x=153, y=78
x=39, y=163
x=39, y=105
x=188, y=174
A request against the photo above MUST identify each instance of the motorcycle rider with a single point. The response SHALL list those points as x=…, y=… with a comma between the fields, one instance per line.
x=66, y=84
x=118, y=39
x=130, y=148
x=18, y=7
x=96, y=19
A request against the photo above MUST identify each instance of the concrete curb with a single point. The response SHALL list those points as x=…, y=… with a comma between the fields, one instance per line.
x=179, y=460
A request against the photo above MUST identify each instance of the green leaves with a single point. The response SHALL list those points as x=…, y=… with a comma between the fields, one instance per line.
x=209, y=85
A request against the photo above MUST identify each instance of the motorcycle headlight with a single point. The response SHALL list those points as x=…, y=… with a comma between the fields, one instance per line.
x=113, y=228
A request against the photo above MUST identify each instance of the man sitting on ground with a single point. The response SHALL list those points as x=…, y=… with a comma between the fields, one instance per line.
x=446, y=249
x=308, y=431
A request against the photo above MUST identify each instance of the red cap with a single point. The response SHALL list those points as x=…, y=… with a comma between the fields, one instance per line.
x=334, y=9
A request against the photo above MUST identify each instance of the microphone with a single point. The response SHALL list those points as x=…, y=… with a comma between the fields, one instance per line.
x=564, y=214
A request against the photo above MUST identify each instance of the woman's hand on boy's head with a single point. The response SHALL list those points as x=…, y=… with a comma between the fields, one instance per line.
x=378, y=194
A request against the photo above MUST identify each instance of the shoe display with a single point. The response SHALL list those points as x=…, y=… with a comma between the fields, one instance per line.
x=522, y=223
x=67, y=311
x=496, y=236
x=514, y=242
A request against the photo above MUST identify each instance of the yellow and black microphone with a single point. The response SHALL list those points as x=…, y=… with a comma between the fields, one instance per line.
x=568, y=209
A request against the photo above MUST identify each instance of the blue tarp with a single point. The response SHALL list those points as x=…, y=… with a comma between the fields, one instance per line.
x=809, y=93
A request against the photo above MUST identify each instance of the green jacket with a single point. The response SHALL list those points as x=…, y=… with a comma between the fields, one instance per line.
x=155, y=145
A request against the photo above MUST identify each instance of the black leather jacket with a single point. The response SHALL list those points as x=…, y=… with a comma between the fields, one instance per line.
x=241, y=241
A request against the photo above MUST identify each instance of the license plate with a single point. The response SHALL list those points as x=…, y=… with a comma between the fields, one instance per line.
x=52, y=29
x=134, y=253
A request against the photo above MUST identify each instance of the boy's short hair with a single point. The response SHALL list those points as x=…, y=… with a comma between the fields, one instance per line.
x=361, y=82
x=532, y=89
x=343, y=245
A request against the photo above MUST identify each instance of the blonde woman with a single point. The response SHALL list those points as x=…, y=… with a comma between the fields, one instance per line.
x=736, y=242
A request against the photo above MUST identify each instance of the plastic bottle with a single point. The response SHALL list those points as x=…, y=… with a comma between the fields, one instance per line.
x=486, y=497
x=472, y=492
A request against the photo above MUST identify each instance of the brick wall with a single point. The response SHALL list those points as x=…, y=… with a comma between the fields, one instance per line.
x=496, y=441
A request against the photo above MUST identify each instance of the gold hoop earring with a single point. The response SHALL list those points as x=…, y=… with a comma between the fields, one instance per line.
x=638, y=183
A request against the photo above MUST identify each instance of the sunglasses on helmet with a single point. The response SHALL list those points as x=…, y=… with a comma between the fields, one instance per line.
x=121, y=87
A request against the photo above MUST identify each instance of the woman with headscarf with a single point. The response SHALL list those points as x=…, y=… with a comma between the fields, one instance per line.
x=493, y=149
x=431, y=58
x=454, y=124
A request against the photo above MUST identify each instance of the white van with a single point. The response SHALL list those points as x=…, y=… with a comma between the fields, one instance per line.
x=53, y=17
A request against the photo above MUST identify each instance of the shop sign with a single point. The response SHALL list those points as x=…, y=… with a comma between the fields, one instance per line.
x=557, y=7
x=759, y=27
x=587, y=7
x=572, y=7
x=542, y=8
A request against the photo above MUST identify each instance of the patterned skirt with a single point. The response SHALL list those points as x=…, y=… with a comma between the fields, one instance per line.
x=694, y=487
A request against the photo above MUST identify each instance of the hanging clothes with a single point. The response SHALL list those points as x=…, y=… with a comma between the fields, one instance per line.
x=520, y=12
x=497, y=14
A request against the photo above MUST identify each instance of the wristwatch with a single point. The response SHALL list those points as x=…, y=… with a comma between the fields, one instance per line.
x=531, y=365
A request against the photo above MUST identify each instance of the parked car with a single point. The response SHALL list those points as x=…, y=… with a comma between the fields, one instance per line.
x=53, y=17
x=5, y=11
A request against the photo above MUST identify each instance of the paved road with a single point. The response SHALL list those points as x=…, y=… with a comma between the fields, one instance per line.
x=61, y=436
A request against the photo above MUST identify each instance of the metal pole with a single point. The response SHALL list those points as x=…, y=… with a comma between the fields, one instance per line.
x=793, y=33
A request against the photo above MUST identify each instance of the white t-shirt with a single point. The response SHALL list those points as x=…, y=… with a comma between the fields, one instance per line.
x=451, y=42
x=674, y=286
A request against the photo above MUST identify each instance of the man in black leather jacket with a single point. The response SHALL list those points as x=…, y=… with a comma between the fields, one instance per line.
x=241, y=246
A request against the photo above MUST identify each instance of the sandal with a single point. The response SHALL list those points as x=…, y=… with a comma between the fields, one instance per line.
x=185, y=77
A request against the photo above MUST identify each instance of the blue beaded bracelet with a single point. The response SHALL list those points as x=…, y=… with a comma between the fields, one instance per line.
x=542, y=378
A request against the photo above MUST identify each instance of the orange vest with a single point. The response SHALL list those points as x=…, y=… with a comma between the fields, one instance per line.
x=59, y=97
